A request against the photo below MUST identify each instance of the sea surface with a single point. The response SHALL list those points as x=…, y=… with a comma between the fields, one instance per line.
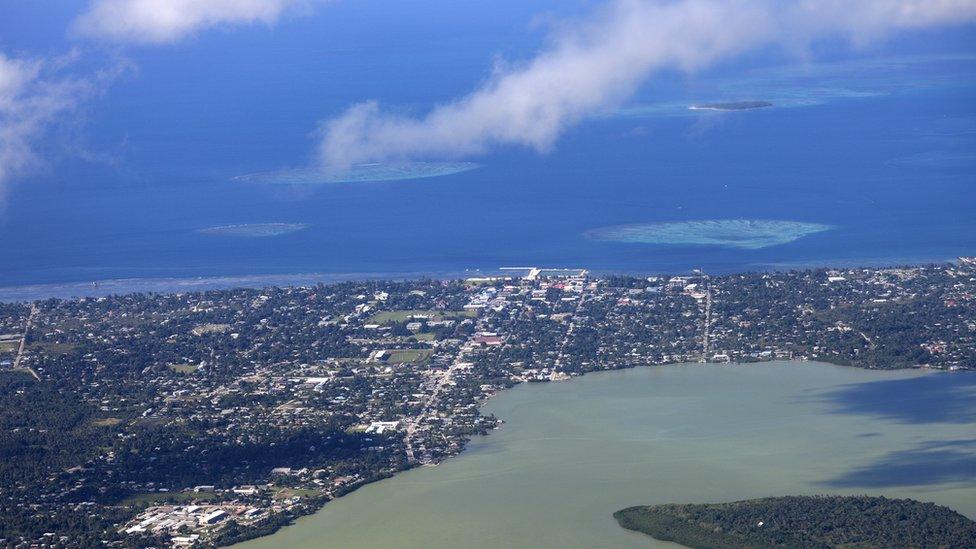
x=571, y=453
x=878, y=143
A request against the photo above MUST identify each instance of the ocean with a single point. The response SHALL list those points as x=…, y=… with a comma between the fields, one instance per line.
x=877, y=145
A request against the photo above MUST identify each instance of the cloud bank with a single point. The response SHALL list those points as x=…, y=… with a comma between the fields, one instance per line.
x=592, y=66
x=167, y=21
x=34, y=95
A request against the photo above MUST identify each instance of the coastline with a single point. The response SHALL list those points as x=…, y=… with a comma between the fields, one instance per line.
x=320, y=503
x=477, y=419
x=18, y=293
x=318, y=506
x=118, y=286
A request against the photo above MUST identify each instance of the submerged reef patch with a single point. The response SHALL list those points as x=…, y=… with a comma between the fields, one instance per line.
x=381, y=171
x=254, y=230
x=748, y=234
x=731, y=106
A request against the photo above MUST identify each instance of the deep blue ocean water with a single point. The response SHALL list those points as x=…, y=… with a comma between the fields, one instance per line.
x=879, y=143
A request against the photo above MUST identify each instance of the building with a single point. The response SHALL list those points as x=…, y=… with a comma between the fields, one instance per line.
x=213, y=517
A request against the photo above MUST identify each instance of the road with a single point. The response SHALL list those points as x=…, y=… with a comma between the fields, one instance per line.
x=23, y=343
x=440, y=379
x=707, y=321
x=569, y=334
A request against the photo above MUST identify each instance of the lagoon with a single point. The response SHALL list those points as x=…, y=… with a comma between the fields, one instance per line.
x=571, y=453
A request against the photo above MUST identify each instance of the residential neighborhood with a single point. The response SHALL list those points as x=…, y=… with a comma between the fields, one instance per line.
x=200, y=419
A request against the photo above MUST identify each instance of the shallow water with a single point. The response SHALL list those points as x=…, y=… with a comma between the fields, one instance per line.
x=749, y=234
x=572, y=453
x=254, y=230
x=365, y=173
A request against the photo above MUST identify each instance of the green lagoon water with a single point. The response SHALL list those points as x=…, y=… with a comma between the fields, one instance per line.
x=571, y=453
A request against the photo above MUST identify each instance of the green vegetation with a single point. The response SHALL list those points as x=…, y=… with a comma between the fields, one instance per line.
x=408, y=355
x=184, y=368
x=286, y=493
x=45, y=432
x=204, y=329
x=52, y=348
x=804, y=521
x=157, y=498
x=391, y=317
x=110, y=409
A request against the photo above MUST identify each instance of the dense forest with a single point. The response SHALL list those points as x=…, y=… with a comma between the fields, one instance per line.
x=804, y=521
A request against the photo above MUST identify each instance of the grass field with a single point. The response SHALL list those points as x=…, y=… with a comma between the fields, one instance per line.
x=210, y=329
x=184, y=368
x=154, y=498
x=408, y=355
x=389, y=317
x=286, y=493
x=53, y=348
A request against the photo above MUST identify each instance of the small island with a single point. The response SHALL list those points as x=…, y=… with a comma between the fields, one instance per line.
x=803, y=521
x=731, y=106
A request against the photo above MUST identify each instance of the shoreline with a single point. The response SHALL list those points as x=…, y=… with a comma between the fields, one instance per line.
x=418, y=431
x=166, y=285
x=319, y=506
x=24, y=293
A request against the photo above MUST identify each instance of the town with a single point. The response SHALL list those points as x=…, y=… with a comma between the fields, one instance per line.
x=203, y=419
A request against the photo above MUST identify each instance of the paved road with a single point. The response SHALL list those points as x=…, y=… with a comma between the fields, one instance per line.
x=23, y=343
x=440, y=380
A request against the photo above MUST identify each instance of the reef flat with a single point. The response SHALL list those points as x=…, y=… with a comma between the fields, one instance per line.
x=813, y=84
x=749, y=234
x=254, y=230
x=362, y=173
x=731, y=106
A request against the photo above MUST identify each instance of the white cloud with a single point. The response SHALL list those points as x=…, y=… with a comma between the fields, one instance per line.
x=861, y=19
x=593, y=65
x=34, y=96
x=166, y=21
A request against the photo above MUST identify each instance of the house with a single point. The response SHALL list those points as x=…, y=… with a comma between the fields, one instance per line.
x=213, y=517
x=488, y=340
